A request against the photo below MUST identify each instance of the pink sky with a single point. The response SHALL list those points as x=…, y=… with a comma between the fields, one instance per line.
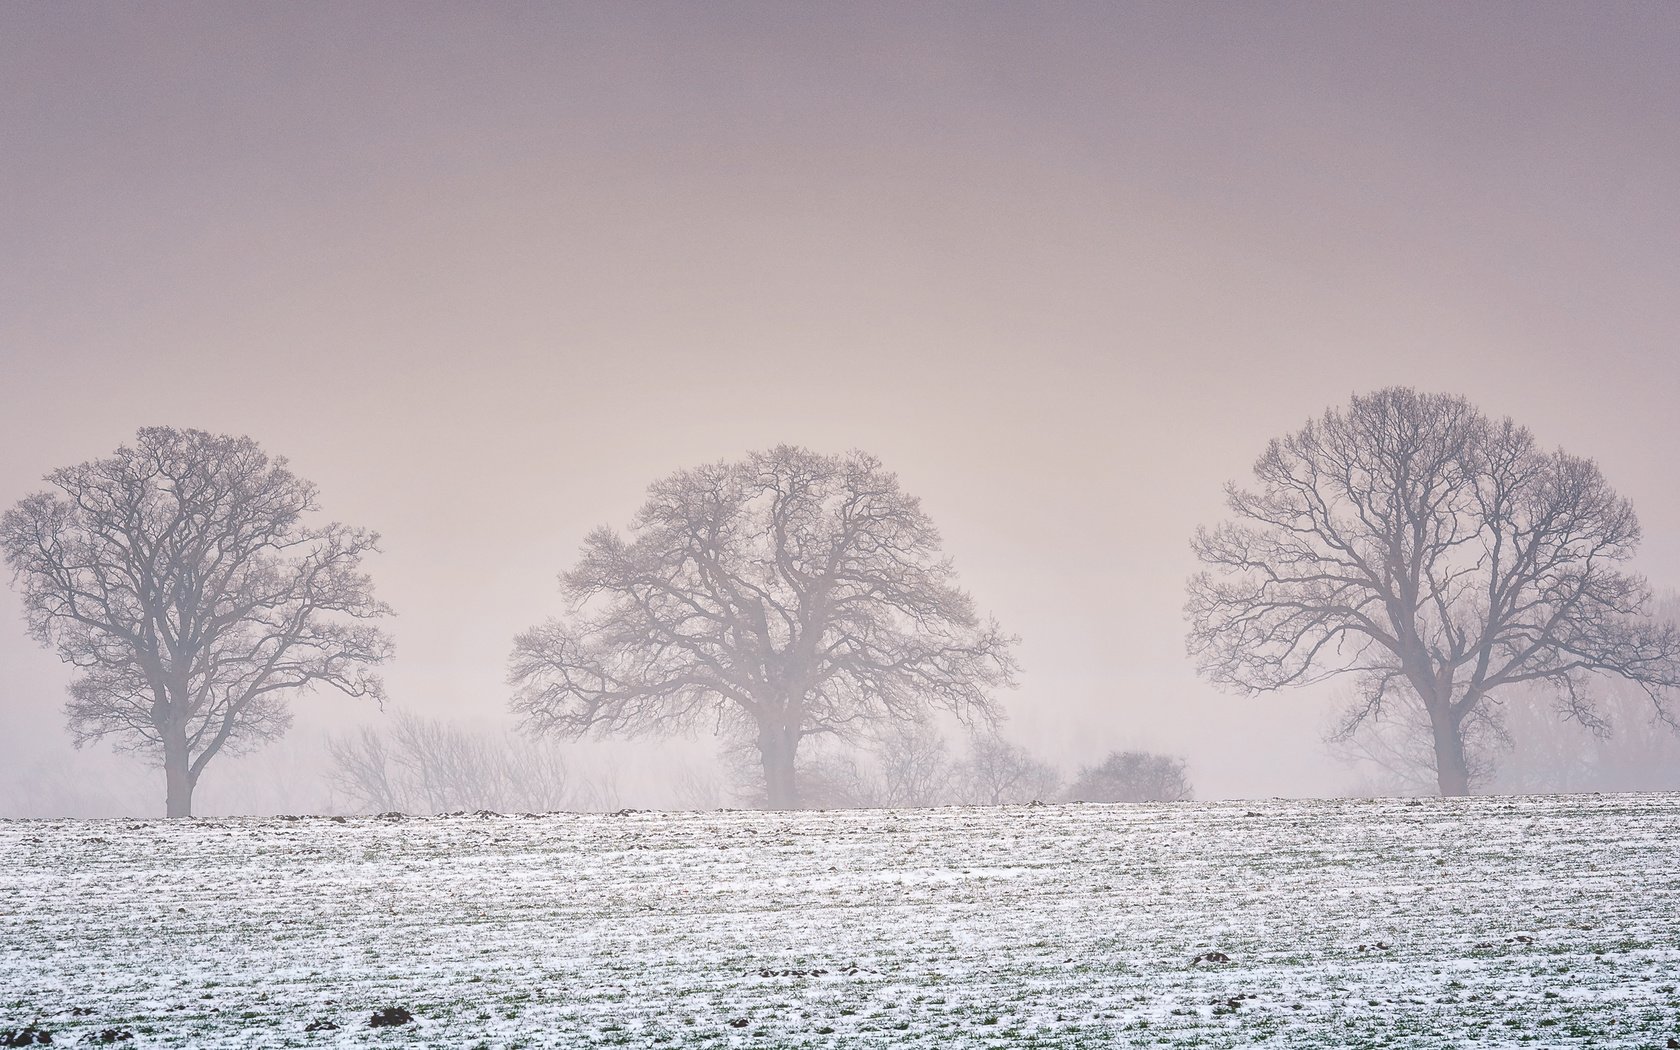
x=484, y=271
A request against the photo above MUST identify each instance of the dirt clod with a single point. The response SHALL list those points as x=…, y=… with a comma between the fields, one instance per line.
x=390, y=1017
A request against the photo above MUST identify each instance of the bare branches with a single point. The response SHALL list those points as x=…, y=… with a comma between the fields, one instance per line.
x=996, y=772
x=805, y=591
x=1133, y=776
x=428, y=766
x=1410, y=540
x=178, y=577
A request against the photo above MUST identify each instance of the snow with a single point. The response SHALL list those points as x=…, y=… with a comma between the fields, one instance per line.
x=1489, y=922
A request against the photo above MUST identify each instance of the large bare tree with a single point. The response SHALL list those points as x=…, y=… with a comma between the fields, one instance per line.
x=789, y=595
x=180, y=579
x=1411, y=541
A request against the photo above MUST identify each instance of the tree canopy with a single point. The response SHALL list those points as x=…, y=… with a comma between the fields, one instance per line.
x=181, y=580
x=786, y=595
x=1412, y=542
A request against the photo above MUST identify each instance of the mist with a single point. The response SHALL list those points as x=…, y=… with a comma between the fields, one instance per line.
x=484, y=274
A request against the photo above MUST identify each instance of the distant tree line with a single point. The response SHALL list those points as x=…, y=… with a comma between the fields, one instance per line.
x=1471, y=583
x=420, y=765
x=426, y=765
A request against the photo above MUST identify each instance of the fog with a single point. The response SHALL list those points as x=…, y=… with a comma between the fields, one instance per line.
x=484, y=273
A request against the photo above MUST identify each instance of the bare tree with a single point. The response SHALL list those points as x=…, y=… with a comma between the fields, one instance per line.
x=893, y=765
x=996, y=772
x=1631, y=751
x=793, y=594
x=364, y=770
x=838, y=777
x=903, y=765
x=1395, y=745
x=447, y=768
x=1516, y=742
x=1414, y=543
x=424, y=765
x=179, y=578
x=915, y=765
x=1133, y=776
x=699, y=789
x=537, y=775
x=599, y=792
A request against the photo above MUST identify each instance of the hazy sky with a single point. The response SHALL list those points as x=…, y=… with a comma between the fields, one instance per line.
x=483, y=271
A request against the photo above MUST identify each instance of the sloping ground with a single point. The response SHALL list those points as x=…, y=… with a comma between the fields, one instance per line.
x=1489, y=922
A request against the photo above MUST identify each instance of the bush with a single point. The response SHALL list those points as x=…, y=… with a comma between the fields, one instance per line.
x=1133, y=776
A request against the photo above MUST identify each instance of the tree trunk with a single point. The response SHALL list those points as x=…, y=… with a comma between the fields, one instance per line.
x=1452, y=773
x=177, y=773
x=777, y=748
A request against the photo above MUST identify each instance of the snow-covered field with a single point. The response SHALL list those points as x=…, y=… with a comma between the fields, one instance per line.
x=1496, y=921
